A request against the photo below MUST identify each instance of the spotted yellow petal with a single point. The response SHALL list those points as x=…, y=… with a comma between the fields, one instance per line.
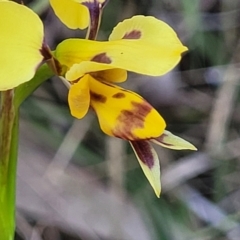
x=73, y=14
x=146, y=28
x=124, y=114
x=147, y=46
x=79, y=97
x=20, y=44
x=149, y=162
x=153, y=32
x=102, y=72
x=169, y=140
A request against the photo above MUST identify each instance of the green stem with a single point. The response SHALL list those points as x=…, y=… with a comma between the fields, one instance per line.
x=8, y=162
x=6, y=123
x=9, y=106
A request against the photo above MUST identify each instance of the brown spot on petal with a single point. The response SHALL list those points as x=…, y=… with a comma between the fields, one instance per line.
x=142, y=110
x=119, y=95
x=144, y=152
x=132, y=119
x=98, y=97
x=135, y=34
x=101, y=58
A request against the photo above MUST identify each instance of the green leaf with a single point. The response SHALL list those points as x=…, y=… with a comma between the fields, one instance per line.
x=26, y=89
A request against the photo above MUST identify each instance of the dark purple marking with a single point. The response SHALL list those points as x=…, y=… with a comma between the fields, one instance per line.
x=143, y=150
x=119, y=95
x=161, y=140
x=98, y=97
x=101, y=58
x=49, y=58
x=132, y=119
x=135, y=34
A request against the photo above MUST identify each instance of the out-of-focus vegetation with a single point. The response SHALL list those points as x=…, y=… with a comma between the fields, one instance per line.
x=76, y=183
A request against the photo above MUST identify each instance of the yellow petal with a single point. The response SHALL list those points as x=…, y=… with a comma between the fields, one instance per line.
x=20, y=43
x=102, y=72
x=149, y=162
x=153, y=32
x=124, y=114
x=79, y=97
x=155, y=56
x=169, y=140
x=146, y=28
x=73, y=14
x=115, y=75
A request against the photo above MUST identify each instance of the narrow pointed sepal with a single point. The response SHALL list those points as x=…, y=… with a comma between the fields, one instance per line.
x=169, y=140
x=149, y=162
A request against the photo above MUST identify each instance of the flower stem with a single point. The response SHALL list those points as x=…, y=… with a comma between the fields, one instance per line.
x=10, y=102
x=95, y=11
x=95, y=20
x=6, y=124
x=8, y=162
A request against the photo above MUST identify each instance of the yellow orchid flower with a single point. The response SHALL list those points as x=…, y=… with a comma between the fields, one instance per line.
x=89, y=65
x=21, y=44
x=141, y=44
x=125, y=114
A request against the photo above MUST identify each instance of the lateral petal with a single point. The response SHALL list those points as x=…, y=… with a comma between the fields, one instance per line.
x=169, y=140
x=146, y=28
x=149, y=162
x=124, y=114
x=136, y=55
x=141, y=44
x=72, y=13
x=20, y=44
x=79, y=97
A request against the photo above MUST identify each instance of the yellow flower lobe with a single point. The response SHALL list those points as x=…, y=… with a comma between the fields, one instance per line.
x=72, y=13
x=20, y=44
x=124, y=114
